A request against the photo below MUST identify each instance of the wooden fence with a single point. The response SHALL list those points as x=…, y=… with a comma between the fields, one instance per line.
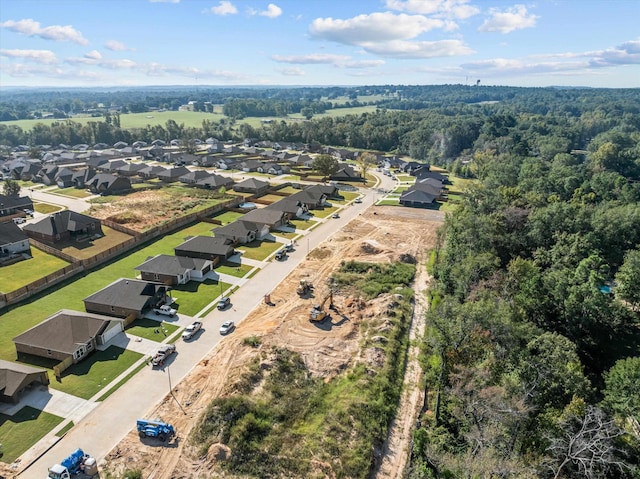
x=78, y=266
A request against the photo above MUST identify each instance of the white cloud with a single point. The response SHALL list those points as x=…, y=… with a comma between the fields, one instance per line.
x=224, y=8
x=272, y=11
x=458, y=9
x=405, y=49
x=514, y=18
x=58, y=33
x=314, y=58
x=93, y=55
x=38, y=56
x=356, y=64
x=116, y=46
x=291, y=72
x=376, y=27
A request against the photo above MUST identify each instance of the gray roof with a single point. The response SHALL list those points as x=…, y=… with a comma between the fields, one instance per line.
x=66, y=220
x=418, y=196
x=236, y=229
x=126, y=293
x=263, y=216
x=206, y=244
x=171, y=265
x=252, y=183
x=64, y=330
x=13, y=375
x=10, y=233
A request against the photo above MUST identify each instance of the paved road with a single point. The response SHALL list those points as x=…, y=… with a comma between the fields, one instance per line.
x=105, y=425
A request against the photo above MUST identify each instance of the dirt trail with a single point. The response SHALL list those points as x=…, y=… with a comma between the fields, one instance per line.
x=327, y=348
x=397, y=447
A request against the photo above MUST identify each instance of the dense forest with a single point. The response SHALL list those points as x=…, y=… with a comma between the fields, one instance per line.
x=532, y=354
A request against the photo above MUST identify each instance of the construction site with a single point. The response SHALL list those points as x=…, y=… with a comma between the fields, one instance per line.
x=306, y=315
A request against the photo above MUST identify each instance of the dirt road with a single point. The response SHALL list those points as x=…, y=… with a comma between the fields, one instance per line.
x=379, y=235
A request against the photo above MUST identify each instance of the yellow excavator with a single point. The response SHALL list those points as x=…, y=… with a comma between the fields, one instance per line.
x=318, y=312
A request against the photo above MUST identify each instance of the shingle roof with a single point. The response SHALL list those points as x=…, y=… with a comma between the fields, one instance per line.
x=66, y=220
x=171, y=265
x=64, y=330
x=12, y=376
x=126, y=293
x=10, y=233
x=205, y=244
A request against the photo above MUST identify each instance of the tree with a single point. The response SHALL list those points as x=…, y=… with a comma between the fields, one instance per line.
x=327, y=165
x=628, y=279
x=621, y=393
x=11, y=188
x=365, y=161
x=587, y=446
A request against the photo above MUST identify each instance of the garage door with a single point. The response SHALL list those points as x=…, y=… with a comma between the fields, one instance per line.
x=112, y=330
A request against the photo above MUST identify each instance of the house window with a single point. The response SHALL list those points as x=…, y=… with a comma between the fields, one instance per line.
x=89, y=346
x=113, y=309
x=49, y=352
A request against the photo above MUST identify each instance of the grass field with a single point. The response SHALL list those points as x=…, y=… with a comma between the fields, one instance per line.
x=72, y=192
x=152, y=329
x=46, y=208
x=259, y=250
x=233, y=269
x=22, y=430
x=88, y=249
x=19, y=274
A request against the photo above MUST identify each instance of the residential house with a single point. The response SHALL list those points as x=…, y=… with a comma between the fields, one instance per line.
x=173, y=174
x=127, y=298
x=192, y=177
x=111, y=166
x=14, y=243
x=130, y=169
x=215, y=182
x=64, y=178
x=80, y=178
x=346, y=173
x=417, y=198
x=276, y=169
x=174, y=270
x=249, y=166
x=16, y=378
x=67, y=334
x=11, y=206
x=149, y=172
x=290, y=206
x=253, y=186
x=214, y=249
x=47, y=174
x=227, y=163
x=312, y=197
x=272, y=218
x=424, y=173
x=106, y=184
x=64, y=225
x=241, y=232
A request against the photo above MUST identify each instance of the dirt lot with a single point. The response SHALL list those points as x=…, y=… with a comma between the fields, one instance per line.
x=327, y=348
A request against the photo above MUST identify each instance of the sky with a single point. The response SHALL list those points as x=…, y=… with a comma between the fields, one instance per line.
x=106, y=43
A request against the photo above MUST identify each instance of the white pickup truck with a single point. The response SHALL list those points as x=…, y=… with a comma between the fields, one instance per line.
x=166, y=310
x=162, y=354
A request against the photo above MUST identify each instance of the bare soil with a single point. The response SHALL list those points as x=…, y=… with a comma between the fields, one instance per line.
x=382, y=234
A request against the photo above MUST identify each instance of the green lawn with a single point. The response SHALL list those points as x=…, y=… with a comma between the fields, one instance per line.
x=46, y=208
x=70, y=295
x=21, y=431
x=259, y=250
x=19, y=274
x=72, y=192
x=194, y=296
x=227, y=217
x=91, y=248
x=152, y=329
x=303, y=225
x=325, y=213
x=234, y=269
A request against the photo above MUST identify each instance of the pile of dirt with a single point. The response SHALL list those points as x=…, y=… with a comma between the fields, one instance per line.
x=326, y=348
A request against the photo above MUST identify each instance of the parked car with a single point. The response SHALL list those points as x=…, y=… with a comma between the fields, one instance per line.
x=191, y=330
x=224, y=303
x=335, y=215
x=19, y=220
x=280, y=255
x=162, y=354
x=166, y=310
x=358, y=200
x=227, y=327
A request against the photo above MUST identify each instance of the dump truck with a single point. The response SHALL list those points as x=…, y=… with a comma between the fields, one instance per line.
x=318, y=312
x=304, y=288
x=78, y=462
x=157, y=428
